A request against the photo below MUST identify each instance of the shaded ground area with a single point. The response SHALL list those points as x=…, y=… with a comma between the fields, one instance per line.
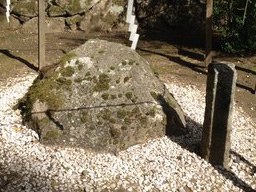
x=173, y=55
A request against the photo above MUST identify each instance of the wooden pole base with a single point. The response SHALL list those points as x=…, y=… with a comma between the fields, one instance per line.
x=41, y=34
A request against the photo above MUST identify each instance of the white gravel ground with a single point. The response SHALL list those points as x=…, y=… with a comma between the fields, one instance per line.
x=165, y=164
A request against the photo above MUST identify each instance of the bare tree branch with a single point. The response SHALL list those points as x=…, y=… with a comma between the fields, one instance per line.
x=245, y=11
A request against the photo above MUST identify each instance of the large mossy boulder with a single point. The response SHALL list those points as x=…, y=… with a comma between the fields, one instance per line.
x=102, y=96
x=74, y=7
x=25, y=8
x=86, y=15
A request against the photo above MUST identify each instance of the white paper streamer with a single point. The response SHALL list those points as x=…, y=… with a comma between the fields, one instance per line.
x=133, y=32
x=129, y=11
x=132, y=21
x=132, y=36
x=135, y=41
x=130, y=18
x=8, y=3
x=134, y=28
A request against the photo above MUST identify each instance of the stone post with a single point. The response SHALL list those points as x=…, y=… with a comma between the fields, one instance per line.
x=221, y=83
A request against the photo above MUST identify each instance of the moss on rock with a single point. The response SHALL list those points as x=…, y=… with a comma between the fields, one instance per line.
x=115, y=133
x=45, y=91
x=127, y=121
x=80, y=67
x=53, y=134
x=78, y=80
x=67, y=57
x=171, y=102
x=152, y=112
x=70, y=115
x=117, y=81
x=106, y=114
x=128, y=95
x=55, y=11
x=102, y=51
x=84, y=116
x=67, y=71
x=131, y=62
x=25, y=8
x=102, y=84
x=105, y=96
x=73, y=20
x=135, y=111
x=112, y=120
x=154, y=95
x=44, y=122
x=73, y=7
x=143, y=120
x=113, y=97
x=88, y=74
x=121, y=113
x=64, y=81
x=124, y=63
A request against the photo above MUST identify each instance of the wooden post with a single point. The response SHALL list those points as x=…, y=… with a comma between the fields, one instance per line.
x=208, y=39
x=220, y=93
x=255, y=89
x=41, y=34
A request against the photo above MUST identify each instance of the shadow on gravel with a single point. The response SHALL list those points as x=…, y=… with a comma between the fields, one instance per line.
x=16, y=181
x=246, y=70
x=73, y=42
x=195, y=67
x=177, y=36
x=192, y=142
x=192, y=55
x=236, y=181
x=80, y=38
x=178, y=60
x=10, y=55
x=241, y=158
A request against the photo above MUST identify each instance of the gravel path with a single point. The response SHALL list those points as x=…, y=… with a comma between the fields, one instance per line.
x=164, y=164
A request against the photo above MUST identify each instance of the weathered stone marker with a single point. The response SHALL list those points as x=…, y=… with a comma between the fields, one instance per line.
x=221, y=84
